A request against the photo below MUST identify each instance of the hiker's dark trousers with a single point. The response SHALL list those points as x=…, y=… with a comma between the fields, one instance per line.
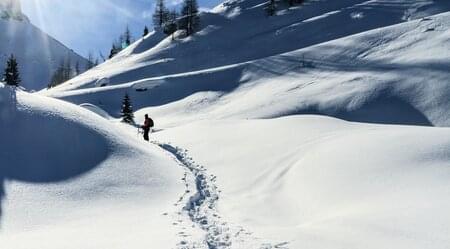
x=146, y=132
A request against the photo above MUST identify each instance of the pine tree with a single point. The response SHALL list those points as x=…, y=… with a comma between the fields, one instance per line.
x=77, y=68
x=161, y=14
x=171, y=26
x=189, y=21
x=127, y=110
x=101, y=56
x=293, y=2
x=271, y=8
x=57, y=77
x=127, y=37
x=63, y=73
x=68, y=72
x=145, y=31
x=121, y=42
x=90, y=61
x=12, y=75
x=114, y=50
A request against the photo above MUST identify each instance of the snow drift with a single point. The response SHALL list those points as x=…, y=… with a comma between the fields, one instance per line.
x=67, y=171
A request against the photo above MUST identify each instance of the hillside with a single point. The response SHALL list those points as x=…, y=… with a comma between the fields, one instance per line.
x=66, y=172
x=314, y=128
x=376, y=76
x=37, y=53
x=317, y=182
x=240, y=31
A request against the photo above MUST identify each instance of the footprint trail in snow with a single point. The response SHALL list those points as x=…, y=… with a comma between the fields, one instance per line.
x=200, y=205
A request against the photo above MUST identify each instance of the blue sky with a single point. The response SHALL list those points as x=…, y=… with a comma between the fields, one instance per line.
x=92, y=25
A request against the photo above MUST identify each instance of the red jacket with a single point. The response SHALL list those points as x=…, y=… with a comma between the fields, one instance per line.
x=147, y=123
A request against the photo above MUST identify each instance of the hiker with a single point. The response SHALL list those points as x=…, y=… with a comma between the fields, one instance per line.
x=148, y=125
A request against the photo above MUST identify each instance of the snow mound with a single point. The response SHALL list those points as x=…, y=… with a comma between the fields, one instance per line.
x=97, y=110
x=56, y=157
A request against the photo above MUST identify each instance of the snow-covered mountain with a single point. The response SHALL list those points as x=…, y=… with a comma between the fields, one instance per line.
x=37, y=53
x=241, y=51
x=242, y=155
x=11, y=9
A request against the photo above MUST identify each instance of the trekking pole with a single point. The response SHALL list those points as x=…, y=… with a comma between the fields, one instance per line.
x=138, y=131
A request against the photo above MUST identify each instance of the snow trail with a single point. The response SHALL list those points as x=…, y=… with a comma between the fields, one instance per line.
x=201, y=207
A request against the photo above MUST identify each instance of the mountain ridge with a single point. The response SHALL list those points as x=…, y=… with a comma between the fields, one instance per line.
x=38, y=54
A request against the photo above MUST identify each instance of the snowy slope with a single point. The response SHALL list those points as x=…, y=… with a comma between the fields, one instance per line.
x=398, y=74
x=317, y=182
x=229, y=107
x=37, y=53
x=240, y=31
x=69, y=174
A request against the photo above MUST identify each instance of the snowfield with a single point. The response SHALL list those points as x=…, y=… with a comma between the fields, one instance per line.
x=324, y=126
x=317, y=182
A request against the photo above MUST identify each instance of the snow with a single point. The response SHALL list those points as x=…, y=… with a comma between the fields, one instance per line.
x=376, y=76
x=97, y=110
x=319, y=182
x=11, y=9
x=315, y=128
x=69, y=173
x=38, y=54
x=250, y=35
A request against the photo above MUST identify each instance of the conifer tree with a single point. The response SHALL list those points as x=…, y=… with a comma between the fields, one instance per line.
x=189, y=20
x=271, y=8
x=121, y=42
x=68, y=72
x=90, y=61
x=145, y=31
x=77, y=68
x=161, y=14
x=57, y=77
x=114, y=50
x=12, y=75
x=171, y=26
x=293, y=2
x=127, y=110
x=127, y=37
x=63, y=73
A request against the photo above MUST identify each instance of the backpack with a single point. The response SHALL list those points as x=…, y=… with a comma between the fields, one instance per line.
x=151, y=123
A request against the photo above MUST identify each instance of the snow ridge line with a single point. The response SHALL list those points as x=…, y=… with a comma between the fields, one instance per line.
x=201, y=208
x=201, y=205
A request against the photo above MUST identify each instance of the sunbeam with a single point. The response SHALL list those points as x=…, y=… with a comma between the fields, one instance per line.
x=91, y=26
